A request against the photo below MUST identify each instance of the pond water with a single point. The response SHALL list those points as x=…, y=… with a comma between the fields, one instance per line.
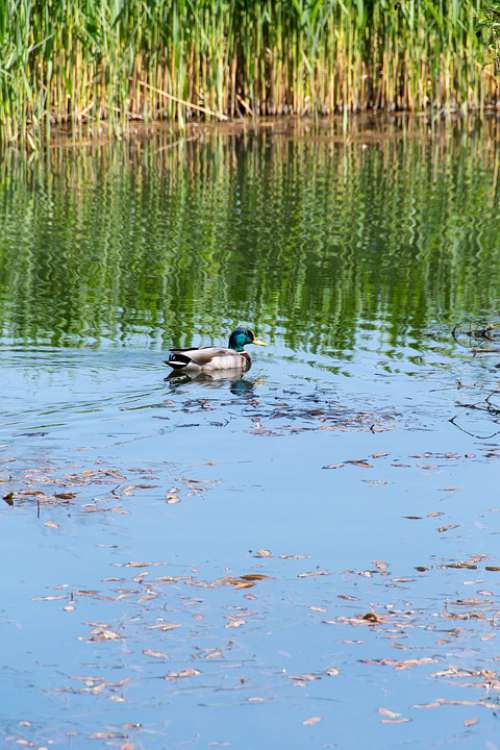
x=330, y=475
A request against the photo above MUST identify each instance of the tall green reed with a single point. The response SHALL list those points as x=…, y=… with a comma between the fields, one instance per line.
x=83, y=61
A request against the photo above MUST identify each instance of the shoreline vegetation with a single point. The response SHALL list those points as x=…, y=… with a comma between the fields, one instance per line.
x=101, y=66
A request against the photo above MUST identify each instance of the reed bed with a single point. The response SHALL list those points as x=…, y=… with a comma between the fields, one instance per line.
x=83, y=62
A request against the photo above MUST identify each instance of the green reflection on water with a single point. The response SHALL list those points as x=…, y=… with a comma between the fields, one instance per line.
x=303, y=234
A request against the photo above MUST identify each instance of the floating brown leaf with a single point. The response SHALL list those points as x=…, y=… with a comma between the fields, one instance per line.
x=372, y=618
x=154, y=654
x=332, y=671
x=164, y=626
x=313, y=573
x=470, y=722
x=183, y=674
x=311, y=721
x=388, y=713
x=103, y=634
x=381, y=566
x=450, y=526
x=406, y=664
x=300, y=680
x=236, y=583
x=360, y=462
x=235, y=623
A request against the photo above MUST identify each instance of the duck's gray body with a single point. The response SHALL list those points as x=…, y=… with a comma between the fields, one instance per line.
x=208, y=359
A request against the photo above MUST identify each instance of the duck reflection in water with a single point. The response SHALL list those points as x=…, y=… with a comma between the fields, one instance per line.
x=237, y=383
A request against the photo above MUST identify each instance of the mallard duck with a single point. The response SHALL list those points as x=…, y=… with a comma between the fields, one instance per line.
x=211, y=358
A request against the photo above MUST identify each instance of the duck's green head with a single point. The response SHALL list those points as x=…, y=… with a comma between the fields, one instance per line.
x=240, y=337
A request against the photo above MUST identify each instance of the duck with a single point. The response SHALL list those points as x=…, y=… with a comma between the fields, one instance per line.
x=209, y=359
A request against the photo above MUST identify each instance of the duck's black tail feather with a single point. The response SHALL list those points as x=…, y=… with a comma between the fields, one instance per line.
x=177, y=360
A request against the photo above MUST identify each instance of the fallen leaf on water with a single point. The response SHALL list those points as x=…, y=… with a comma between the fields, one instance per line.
x=442, y=529
x=183, y=674
x=169, y=579
x=388, y=713
x=103, y=634
x=311, y=721
x=263, y=553
x=51, y=525
x=9, y=498
x=254, y=577
x=332, y=671
x=312, y=573
x=470, y=722
x=381, y=566
x=154, y=654
x=443, y=702
x=434, y=704
x=164, y=626
x=235, y=623
x=300, y=680
x=212, y=653
x=135, y=564
x=372, y=618
x=406, y=664
x=236, y=583
x=360, y=462
x=65, y=495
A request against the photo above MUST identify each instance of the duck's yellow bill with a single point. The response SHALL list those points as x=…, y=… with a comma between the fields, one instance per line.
x=257, y=342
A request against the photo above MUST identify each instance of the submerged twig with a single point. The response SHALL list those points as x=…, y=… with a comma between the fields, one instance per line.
x=472, y=434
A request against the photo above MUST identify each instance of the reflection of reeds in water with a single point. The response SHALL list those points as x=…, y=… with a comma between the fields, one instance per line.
x=73, y=62
x=309, y=236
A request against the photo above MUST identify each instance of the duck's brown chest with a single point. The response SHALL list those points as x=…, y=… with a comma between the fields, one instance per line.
x=247, y=362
